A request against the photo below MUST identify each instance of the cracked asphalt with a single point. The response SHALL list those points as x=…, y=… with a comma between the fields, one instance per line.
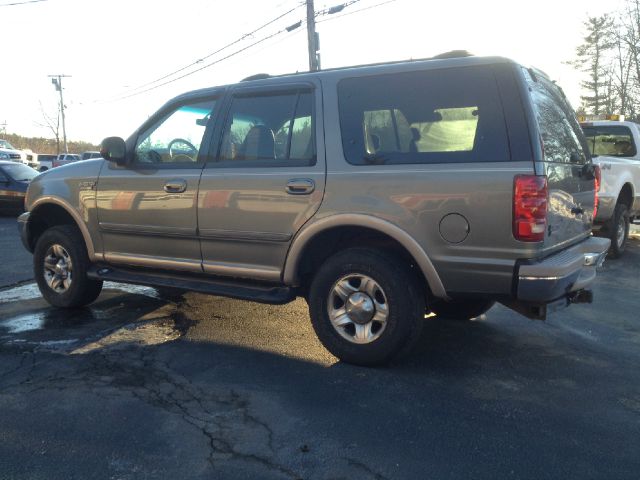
x=143, y=385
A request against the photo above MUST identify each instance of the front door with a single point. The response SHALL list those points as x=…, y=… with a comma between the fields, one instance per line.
x=147, y=210
x=266, y=181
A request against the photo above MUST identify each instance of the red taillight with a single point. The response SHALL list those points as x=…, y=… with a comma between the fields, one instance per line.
x=530, y=193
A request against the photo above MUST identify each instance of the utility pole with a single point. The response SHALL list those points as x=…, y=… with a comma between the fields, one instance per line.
x=312, y=37
x=4, y=128
x=57, y=82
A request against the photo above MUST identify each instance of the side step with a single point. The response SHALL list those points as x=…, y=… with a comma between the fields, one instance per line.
x=263, y=293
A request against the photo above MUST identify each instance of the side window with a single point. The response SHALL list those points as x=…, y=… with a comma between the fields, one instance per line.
x=176, y=139
x=558, y=126
x=269, y=130
x=434, y=116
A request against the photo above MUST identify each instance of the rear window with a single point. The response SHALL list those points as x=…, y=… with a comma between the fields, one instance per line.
x=561, y=134
x=610, y=140
x=436, y=116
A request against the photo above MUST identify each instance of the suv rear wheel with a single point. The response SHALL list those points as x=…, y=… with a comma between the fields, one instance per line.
x=60, y=265
x=366, y=307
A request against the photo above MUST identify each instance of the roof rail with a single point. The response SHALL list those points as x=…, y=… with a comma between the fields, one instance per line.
x=453, y=54
x=257, y=76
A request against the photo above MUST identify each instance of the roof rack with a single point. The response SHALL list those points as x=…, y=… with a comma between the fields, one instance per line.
x=257, y=76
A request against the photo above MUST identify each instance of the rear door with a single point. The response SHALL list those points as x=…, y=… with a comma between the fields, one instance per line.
x=566, y=163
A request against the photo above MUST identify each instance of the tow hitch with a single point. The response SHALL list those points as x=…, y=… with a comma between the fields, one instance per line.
x=581, y=296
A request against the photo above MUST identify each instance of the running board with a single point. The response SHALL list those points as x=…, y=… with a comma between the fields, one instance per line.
x=255, y=292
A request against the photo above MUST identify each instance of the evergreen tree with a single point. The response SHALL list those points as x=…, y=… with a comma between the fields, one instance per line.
x=592, y=57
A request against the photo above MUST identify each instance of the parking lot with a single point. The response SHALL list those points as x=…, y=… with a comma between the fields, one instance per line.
x=141, y=385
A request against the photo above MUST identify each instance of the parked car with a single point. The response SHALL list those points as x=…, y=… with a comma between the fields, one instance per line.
x=65, y=158
x=614, y=145
x=26, y=156
x=377, y=193
x=8, y=152
x=14, y=180
x=89, y=155
x=46, y=161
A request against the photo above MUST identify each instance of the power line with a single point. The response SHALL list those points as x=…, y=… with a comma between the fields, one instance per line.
x=356, y=11
x=137, y=91
x=20, y=3
x=264, y=39
x=335, y=8
x=200, y=60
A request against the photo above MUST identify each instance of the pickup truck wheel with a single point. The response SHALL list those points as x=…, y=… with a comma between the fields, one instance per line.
x=618, y=230
x=60, y=264
x=365, y=306
x=460, y=309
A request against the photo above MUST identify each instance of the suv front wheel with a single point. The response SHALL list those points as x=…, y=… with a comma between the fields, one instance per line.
x=60, y=265
x=366, y=307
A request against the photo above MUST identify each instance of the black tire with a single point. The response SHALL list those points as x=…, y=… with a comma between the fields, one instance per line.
x=81, y=290
x=617, y=230
x=461, y=309
x=401, y=291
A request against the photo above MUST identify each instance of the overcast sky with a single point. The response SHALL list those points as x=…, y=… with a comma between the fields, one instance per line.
x=110, y=48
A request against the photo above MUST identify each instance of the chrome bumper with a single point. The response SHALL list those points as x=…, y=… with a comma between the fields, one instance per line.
x=563, y=274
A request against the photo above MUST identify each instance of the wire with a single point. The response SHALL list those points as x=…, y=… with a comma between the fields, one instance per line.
x=200, y=60
x=264, y=39
x=356, y=11
x=20, y=3
x=335, y=8
x=137, y=91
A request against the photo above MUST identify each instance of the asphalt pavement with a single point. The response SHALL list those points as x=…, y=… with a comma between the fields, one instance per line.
x=141, y=385
x=17, y=266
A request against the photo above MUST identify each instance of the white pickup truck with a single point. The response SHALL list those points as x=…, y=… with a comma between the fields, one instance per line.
x=615, y=146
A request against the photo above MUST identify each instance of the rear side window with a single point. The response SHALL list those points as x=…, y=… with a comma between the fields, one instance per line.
x=560, y=131
x=612, y=141
x=269, y=130
x=437, y=116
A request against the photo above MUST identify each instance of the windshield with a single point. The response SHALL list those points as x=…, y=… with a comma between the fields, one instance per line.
x=20, y=172
x=5, y=144
x=610, y=140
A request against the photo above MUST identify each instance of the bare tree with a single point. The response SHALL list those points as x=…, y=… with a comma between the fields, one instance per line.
x=622, y=74
x=52, y=123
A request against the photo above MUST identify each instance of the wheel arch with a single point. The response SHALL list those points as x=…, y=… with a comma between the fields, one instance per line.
x=626, y=195
x=47, y=212
x=316, y=232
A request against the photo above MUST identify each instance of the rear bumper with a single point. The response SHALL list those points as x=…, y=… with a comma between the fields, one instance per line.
x=563, y=274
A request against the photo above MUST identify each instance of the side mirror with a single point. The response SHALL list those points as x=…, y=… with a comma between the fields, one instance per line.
x=113, y=149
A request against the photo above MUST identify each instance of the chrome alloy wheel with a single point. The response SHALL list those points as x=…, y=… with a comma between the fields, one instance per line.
x=58, y=268
x=358, y=308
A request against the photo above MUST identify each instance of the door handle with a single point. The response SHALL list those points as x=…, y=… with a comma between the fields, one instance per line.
x=176, y=185
x=300, y=186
